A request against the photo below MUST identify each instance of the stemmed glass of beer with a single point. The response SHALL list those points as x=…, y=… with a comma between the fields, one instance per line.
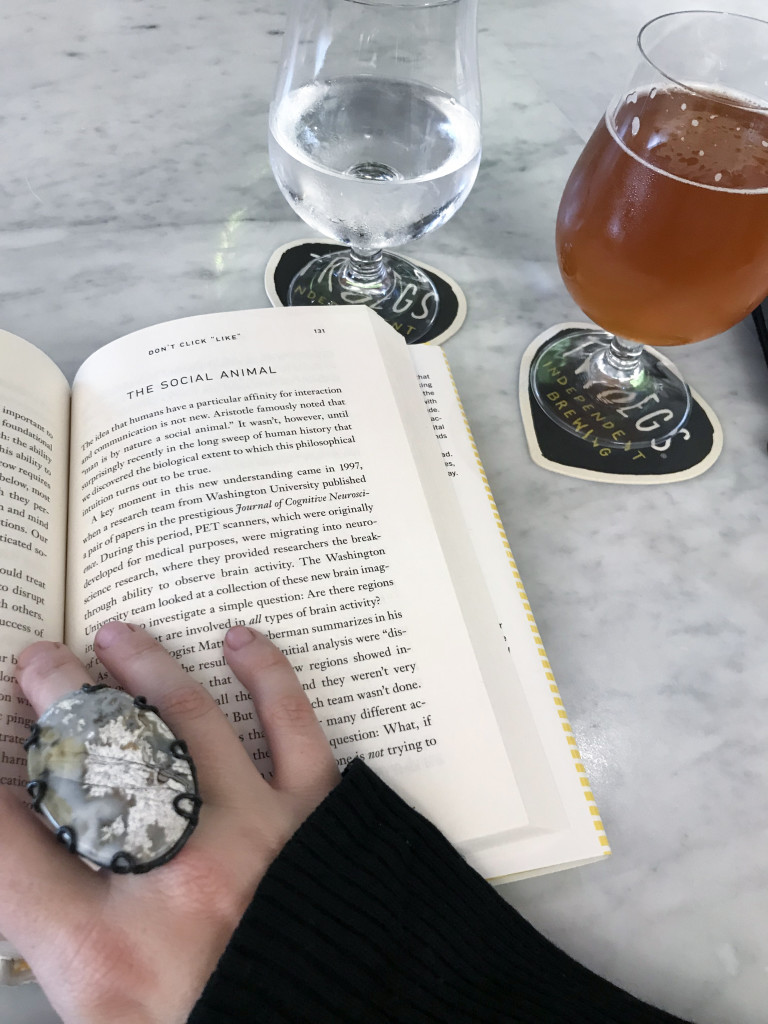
x=662, y=231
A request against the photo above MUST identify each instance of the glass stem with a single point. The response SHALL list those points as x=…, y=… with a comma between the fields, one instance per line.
x=367, y=271
x=622, y=359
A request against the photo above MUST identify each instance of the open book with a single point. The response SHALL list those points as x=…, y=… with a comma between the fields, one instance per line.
x=306, y=472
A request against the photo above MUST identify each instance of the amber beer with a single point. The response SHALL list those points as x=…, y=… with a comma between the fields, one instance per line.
x=662, y=232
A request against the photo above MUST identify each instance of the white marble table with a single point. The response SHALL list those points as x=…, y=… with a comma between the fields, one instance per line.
x=134, y=188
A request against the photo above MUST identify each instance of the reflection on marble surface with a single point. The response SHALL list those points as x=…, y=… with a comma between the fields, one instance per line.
x=135, y=188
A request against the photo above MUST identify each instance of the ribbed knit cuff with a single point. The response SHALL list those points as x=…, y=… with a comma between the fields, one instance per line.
x=369, y=915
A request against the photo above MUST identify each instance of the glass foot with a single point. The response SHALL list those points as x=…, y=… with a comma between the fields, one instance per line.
x=14, y=970
x=584, y=382
x=399, y=291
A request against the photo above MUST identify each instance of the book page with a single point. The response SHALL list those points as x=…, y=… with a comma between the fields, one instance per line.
x=254, y=467
x=34, y=426
x=531, y=713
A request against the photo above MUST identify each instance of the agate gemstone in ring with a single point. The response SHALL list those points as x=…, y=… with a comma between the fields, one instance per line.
x=112, y=779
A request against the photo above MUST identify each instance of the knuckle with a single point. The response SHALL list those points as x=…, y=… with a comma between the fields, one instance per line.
x=201, y=884
x=187, y=702
x=293, y=710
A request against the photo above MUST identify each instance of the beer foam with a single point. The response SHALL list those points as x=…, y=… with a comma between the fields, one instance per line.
x=731, y=98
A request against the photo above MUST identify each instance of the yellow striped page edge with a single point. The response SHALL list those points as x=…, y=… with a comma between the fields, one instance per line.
x=559, y=706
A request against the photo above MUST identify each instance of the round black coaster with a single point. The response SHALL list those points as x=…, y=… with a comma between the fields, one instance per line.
x=288, y=260
x=689, y=452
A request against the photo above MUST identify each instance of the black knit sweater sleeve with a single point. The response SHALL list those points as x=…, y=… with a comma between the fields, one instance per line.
x=370, y=915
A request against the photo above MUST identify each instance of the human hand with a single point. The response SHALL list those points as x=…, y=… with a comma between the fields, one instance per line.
x=138, y=949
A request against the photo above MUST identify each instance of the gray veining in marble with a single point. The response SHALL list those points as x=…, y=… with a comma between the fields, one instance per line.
x=134, y=188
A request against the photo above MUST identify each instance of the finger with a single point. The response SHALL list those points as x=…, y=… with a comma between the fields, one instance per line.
x=47, y=671
x=44, y=890
x=301, y=755
x=140, y=664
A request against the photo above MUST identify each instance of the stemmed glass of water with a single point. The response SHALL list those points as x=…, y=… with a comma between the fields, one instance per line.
x=374, y=140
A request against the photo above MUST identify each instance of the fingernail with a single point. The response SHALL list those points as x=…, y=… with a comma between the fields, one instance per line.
x=111, y=633
x=32, y=652
x=239, y=636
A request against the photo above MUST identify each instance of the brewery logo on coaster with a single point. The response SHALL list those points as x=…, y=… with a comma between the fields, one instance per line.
x=289, y=259
x=689, y=452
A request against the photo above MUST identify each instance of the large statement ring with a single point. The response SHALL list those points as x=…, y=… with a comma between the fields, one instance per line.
x=109, y=775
